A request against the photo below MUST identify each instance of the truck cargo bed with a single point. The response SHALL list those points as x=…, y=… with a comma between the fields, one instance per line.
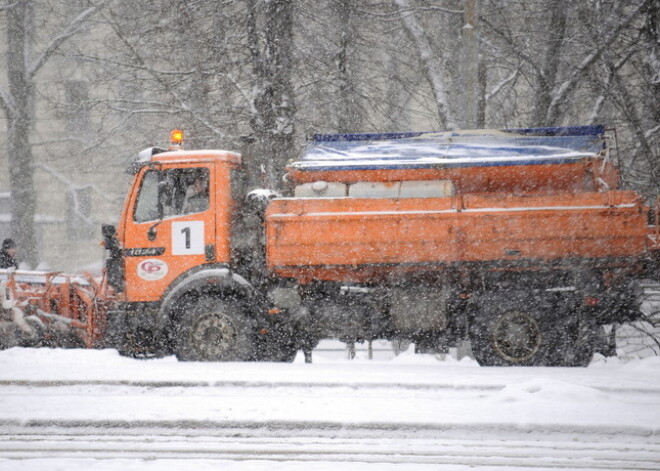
x=523, y=160
x=320, y=238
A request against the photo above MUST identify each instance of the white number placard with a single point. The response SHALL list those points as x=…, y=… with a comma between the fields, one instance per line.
x=188, y=238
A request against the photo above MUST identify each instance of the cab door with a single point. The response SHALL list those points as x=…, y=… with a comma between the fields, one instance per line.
x=169, y=229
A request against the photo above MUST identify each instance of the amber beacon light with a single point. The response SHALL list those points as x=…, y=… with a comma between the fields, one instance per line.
x=176, y=137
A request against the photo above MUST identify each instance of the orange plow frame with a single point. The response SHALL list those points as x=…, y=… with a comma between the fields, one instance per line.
x=76, y=303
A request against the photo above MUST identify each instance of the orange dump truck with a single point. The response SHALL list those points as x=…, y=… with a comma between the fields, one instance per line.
x=519, y=241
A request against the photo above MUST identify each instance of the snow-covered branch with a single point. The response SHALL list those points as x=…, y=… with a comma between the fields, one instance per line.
x=10, y=5
x=430, y=63
x=73, y=190
x=142, y=65
x=417, y=9
x=70, y=31
x=560, y=94
x=595, y=110
x=6, y=101
x=650, y=132
x=498, y=87
x=515, y=48
x=247, y=95
x=133, y=66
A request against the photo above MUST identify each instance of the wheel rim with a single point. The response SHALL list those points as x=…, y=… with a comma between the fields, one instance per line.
x=516, y=337
x=214, y=335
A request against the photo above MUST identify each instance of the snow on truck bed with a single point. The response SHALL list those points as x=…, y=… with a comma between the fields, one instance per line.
x=452, y=149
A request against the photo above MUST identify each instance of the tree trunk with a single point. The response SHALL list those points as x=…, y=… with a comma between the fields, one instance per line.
x=349, y=118
x=652, y=32
x=19, y=119
x=549, y=69
x=471, y=64
x=273, y=106
x=431, y=64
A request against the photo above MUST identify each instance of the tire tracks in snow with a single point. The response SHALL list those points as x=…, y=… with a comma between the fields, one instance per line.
x=301, y=384
x=290, y=442
x=425, y=445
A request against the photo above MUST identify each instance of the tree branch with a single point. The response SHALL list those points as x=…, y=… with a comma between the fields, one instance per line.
x=431, y=67
x=497, y=88
x=600, y=100
x=73, y=188
x=55, y=44
x=516, y=48
x=562, y=92
x=6, y=102
x=143, y=66
x=10, y=5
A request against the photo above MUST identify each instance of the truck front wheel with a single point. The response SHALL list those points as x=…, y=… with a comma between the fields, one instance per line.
x=214, y=329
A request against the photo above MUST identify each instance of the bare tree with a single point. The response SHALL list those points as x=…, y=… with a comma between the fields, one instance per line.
x=555, y=70
x=472, y=78
x=270, y=41
x=18, y=101
x=431, y=61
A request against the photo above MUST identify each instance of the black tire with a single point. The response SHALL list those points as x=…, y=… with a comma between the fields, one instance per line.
x=214, y=329
x=141, y=344
x=582, y=341
x=279, y=342
x=276, y=352
x=524, y=328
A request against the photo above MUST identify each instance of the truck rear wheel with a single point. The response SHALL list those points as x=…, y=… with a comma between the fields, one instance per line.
x=581, y=342
x=528, y=329
x=214, y=329
x=516, y=336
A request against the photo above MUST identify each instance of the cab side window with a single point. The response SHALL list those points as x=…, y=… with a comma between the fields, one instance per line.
x=196, y=198
x=185, y=191
x=170, y=193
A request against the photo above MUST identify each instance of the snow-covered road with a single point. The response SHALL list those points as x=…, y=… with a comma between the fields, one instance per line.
x=94, y=410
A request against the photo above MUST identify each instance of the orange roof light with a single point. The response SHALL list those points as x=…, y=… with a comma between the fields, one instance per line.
x=176, y=137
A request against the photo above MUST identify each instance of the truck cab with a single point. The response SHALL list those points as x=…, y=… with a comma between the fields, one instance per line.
x=172, y=252
x=177, y=218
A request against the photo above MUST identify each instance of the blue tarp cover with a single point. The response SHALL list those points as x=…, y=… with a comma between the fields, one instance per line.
x=452, y=149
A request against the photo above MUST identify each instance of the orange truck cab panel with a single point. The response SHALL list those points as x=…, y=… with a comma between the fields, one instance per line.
x=177, y=217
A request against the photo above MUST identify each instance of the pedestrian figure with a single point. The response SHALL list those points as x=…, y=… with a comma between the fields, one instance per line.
x=8, y=254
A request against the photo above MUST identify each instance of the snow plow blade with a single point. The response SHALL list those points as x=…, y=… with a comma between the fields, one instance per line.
x=52, y=309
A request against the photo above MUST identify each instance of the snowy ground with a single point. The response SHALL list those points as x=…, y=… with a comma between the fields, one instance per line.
x=94, y=410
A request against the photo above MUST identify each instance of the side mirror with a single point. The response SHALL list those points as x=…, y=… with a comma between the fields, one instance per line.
x=108, y=230
x=109, y=233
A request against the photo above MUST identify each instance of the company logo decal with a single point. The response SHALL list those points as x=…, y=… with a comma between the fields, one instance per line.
x=152, y=269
